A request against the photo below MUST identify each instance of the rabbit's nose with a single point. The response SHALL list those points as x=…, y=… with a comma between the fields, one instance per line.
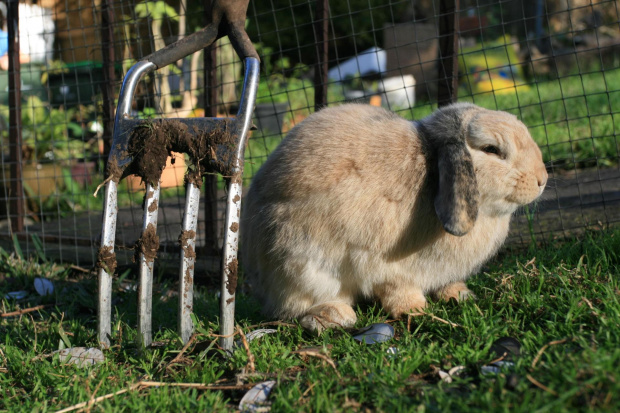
x=542, y=181
x=542, y=176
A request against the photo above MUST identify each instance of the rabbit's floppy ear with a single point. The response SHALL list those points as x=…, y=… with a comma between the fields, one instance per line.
x=456, y=202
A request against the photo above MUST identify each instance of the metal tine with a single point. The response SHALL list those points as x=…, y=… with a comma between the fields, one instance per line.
x=230, y=265
x=145, y=290
x=104, y=325
x=233, y=206
x=110, y=208
x=188, y=259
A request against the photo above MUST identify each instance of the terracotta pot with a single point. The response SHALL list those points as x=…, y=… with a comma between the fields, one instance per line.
x=83, y=172
x=172, y=176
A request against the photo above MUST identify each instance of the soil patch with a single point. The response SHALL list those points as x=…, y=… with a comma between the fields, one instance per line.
x=231, y=276
x=183, y=241
x=153, y=207
x=189, y=280
x=148, y=244
x=113, y=170
x=106, y=259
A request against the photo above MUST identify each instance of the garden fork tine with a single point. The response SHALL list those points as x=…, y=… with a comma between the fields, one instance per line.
x=233, y=206
x=107, y=258
x=120, y=160
x=188, y=258
x=145, y=290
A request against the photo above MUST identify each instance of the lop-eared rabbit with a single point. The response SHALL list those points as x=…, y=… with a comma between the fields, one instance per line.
x=358, y=203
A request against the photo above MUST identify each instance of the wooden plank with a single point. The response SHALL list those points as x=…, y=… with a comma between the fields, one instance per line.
x=447, y=91
x=107, y=87
x=16, y=196
x=321, y=27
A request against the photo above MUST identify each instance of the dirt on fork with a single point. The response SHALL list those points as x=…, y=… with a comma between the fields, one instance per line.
x=148, y=244
x=184, y=239
x=152, y=141
x=106, y=259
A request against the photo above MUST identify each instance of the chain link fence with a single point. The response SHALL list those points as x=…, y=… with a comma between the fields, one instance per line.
x=555, y=64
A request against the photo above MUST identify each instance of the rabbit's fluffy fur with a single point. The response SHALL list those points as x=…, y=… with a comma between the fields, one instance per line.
x=359, y=203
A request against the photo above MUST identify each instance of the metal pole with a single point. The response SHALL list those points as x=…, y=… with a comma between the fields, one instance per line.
x=17, y=210
x=107, y=87
x=210, y=93
x=321, y=27
x=448, y=86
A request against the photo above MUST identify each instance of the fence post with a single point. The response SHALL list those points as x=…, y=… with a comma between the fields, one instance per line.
x=321, y=29
x=16, y=197
x=210, y=94
x=448, y=86
x=107, y=87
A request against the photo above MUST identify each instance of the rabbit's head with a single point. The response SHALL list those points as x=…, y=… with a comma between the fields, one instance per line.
x=487, y=163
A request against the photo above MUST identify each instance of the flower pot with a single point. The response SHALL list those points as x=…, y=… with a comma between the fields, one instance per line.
x=398, y=91
x=83, y=172
x=172, y=176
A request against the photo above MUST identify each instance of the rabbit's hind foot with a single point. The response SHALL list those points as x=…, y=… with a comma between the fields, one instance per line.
x=454, y=291
x=398, y=299
x=328, y=315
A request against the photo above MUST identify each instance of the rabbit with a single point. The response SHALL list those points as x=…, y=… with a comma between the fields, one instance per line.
x=357, y=203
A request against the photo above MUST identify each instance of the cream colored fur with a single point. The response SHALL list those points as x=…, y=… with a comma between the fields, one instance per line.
x=348, y=208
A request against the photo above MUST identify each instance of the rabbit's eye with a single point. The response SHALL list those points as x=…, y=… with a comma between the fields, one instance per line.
x=491, y=149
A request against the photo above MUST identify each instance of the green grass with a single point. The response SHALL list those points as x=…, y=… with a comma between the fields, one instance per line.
x=575, y=120
x=568, y=294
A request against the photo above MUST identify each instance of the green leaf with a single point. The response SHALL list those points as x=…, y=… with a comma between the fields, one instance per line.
x=38, y=246
x=64, y=337
x=17, y=248
x=156, y=10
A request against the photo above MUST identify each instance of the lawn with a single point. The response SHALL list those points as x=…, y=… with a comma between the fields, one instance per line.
x=575, y=120
x=562, y=303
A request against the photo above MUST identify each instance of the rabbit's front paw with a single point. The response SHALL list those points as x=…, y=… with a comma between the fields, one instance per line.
x=455, y=291
x=328, y=315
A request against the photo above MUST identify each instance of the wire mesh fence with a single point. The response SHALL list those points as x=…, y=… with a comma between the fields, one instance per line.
x=555, y=64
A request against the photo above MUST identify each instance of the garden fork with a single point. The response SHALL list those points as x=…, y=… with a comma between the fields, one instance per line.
x=227, y=18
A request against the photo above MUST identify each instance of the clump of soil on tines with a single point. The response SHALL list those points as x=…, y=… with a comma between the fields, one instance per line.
x=148, y=244
x=106, y=259
x=153, y=141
